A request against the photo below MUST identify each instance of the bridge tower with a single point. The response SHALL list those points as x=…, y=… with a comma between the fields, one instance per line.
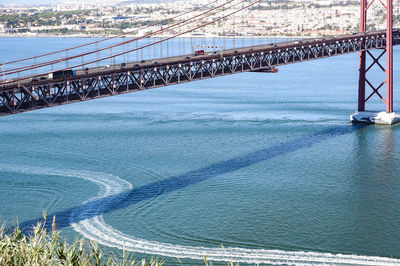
x=387, y=117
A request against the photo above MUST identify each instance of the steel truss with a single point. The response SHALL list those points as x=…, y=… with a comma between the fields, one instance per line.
x=388, y=50
x=40, y=94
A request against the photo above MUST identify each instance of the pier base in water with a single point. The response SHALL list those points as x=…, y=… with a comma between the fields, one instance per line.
x=380, y=118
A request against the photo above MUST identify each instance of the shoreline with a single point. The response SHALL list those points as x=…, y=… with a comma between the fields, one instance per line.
x=16, y=35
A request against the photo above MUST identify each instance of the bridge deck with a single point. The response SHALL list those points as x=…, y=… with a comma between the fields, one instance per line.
x=29, y=94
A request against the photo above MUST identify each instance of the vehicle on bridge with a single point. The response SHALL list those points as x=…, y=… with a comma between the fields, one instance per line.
x=198, y=52
x=62, y=74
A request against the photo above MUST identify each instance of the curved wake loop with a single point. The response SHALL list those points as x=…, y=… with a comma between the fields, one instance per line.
x=95, y=228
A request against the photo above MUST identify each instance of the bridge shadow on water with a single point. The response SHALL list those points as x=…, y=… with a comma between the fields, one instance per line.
x=155, y=189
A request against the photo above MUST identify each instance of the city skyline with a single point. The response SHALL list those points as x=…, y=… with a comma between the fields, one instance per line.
x=37, y=2
x=53, y=2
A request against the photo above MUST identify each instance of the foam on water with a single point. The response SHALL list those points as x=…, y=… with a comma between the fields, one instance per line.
x=97, y=230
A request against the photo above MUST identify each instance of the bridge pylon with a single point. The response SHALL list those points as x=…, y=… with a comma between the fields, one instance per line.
x=387, y=116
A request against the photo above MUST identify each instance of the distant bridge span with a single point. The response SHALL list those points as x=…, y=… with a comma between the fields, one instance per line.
x=31, y=94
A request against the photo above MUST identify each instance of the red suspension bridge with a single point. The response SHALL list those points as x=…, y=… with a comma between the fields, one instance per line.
x=70, y=75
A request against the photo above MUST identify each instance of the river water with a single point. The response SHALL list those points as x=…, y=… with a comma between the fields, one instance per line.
x=265, y=165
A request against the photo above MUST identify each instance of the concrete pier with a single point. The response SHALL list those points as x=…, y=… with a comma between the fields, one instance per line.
x=380, y=118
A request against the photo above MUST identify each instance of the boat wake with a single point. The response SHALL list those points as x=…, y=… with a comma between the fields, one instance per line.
x=93, y=227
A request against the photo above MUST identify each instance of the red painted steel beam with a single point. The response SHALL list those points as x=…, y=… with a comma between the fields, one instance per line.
x=389, y=56
x=362, y=71
x=362, y=80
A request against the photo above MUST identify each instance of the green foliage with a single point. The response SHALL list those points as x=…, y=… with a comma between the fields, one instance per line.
x=40, y=247
x=46, y=18
x=62, y=14
x=49, y=248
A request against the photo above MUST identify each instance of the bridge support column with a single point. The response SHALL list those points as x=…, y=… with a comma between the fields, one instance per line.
x=387, y=117
x=361, y=75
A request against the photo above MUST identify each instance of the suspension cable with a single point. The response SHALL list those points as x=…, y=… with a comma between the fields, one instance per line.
x=26, y=68
x=109, y=38
x=148, y=45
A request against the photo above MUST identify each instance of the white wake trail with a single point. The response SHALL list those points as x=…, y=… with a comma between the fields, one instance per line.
x=96, y=229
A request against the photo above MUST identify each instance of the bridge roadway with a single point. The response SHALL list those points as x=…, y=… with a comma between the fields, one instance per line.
x=30, y=94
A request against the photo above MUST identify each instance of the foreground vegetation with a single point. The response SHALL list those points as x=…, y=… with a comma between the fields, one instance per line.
x=39, y=247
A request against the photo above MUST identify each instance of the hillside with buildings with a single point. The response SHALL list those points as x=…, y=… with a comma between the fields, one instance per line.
x=269, y=18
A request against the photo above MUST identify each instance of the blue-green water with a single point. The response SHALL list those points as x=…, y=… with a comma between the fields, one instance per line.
x=252, y=161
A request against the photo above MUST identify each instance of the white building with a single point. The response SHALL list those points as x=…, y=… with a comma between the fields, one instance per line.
x=3, y=28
